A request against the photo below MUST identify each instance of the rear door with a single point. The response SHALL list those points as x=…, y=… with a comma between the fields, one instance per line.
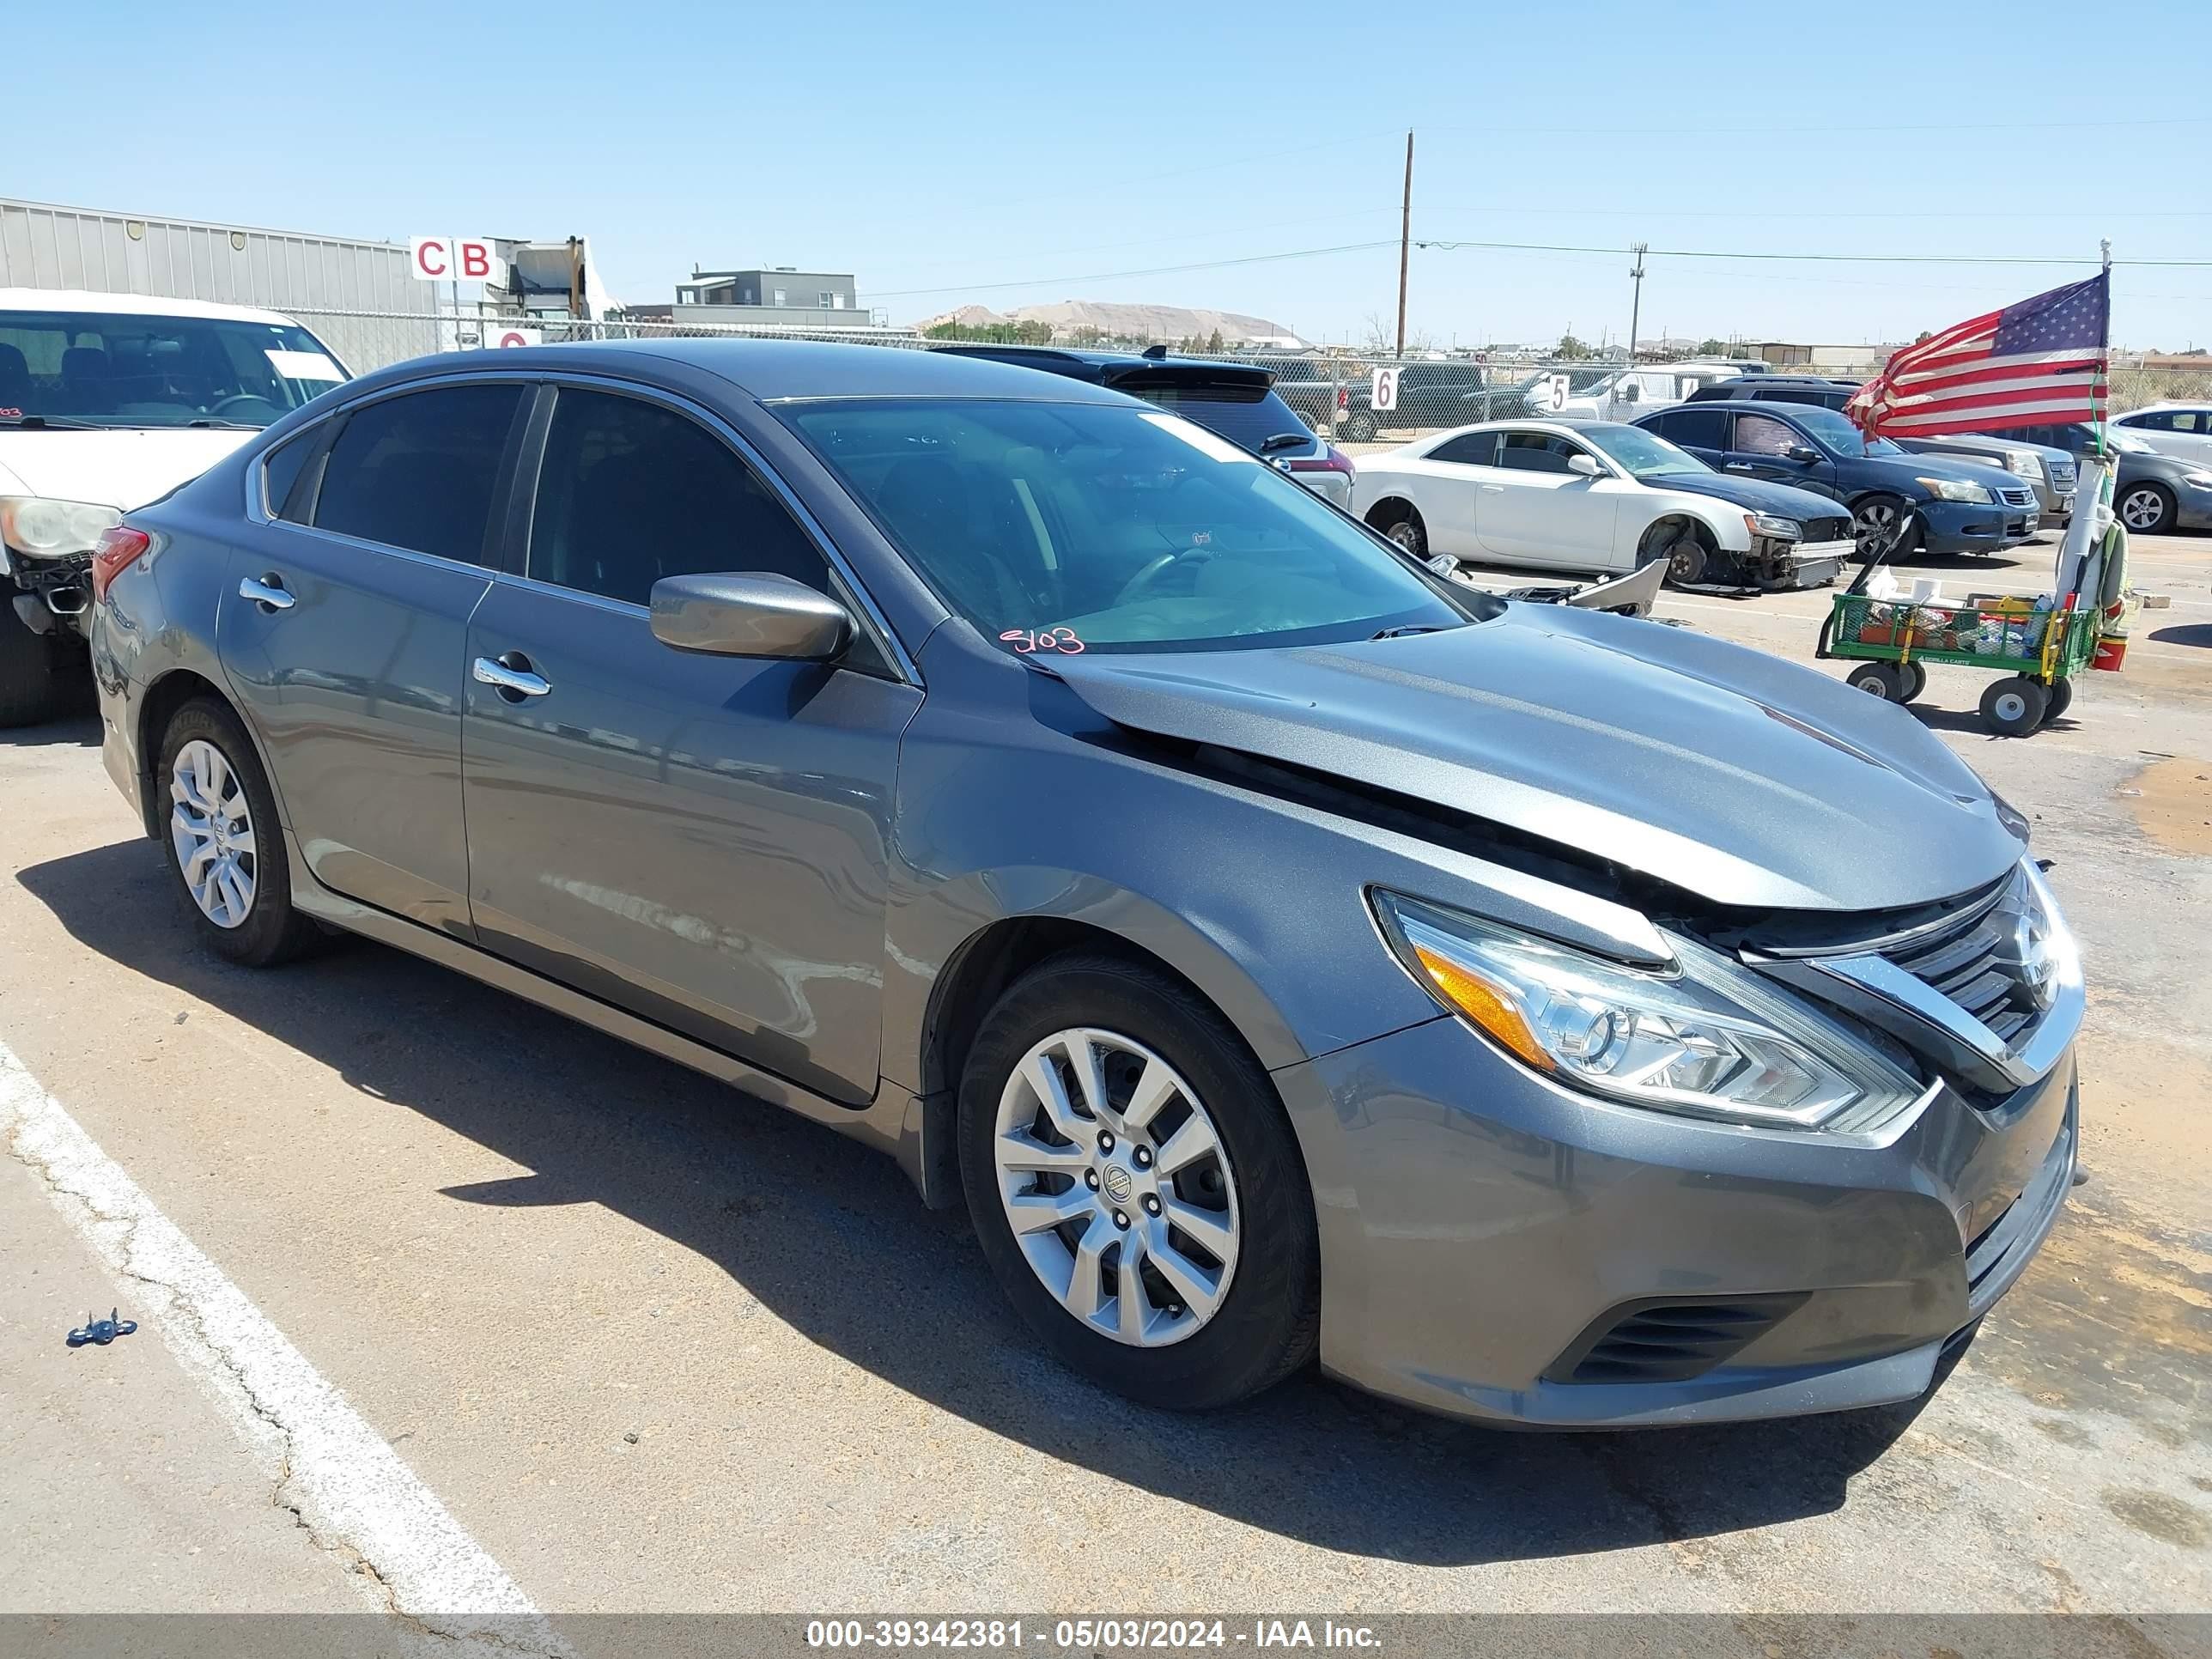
x=703, y=840
x=349, y=665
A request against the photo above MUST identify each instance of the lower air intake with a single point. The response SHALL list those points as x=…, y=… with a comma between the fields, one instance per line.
x=1669, y=1341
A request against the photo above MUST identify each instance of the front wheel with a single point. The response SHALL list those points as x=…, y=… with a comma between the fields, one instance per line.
x=1400, y=522
x=2147, y=509
x=1136, y=1188
x=2059, y=697
x=1874, y=528
x=2013, y=706
x=226, y=846
x=1884, y=680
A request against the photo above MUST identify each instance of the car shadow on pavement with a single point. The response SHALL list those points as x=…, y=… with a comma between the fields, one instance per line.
x=830, y=1238
x=78, y=728
x=2185, y=634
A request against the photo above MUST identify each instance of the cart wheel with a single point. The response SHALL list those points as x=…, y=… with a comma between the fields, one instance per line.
x=1916, y=680
x=1878, y=679
x=2060, y=696
x=2013, y=706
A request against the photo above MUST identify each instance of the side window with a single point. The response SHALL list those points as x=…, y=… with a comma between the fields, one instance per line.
x=418, y=471
x=630, y=492
x=1468, y=449
x=1705, y=427
x=280, y=473
x=2192, y=420
x=2160, y=421
x=1535, y=451
x=1759, y=435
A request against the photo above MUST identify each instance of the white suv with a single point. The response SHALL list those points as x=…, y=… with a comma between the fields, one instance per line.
x=108, y=401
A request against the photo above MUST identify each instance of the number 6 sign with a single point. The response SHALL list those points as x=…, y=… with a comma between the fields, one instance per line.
x=1383, y=391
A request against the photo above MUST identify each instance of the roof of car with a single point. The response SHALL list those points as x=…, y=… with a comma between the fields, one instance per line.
x=775, y=369
x=132, y=305
x=1106, y=368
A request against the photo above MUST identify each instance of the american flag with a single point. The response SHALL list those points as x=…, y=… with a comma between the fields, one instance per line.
x=2036, y=364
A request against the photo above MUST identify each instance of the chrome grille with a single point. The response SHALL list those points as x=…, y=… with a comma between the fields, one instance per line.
x=1974, y=965
x=2018, y=497
x=2061, y=472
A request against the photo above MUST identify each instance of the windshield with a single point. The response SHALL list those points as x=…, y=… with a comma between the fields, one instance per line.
x=1068, y=527
x=1644, y=454
x=1834, y=428
x=112, y=369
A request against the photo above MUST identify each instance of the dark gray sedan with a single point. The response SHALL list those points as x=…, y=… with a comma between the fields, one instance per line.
x=1536, y=1014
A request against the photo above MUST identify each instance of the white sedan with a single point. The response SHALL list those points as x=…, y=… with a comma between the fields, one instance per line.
x=1598, y=498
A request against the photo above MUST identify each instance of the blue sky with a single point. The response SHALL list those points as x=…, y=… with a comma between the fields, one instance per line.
x=942, y=153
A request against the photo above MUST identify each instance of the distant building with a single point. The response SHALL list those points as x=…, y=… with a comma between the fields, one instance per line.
x=782, y=295
x=1838, y=360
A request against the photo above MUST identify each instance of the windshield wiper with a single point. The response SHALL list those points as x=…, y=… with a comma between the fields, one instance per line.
x=225, y=426
x=50, y=423
x=1399, y=633
x=1285, y=440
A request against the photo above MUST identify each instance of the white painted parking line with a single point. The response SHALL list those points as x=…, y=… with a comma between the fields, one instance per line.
x=349, y=1488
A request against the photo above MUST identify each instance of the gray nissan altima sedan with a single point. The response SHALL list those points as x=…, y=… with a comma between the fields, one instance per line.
x=1536, y=1014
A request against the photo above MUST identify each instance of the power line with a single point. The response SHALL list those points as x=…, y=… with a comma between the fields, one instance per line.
x=1820, y=258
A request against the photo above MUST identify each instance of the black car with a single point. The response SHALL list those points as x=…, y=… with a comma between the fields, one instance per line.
x=1819, y=390
x=1956, y=507
x=2154, y=493
x=1235, y=401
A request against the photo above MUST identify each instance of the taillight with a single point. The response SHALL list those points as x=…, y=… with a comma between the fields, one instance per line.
x=119, y=548
x=1335, y=461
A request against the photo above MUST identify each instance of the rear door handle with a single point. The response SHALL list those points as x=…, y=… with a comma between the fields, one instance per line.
x=511, y=674
x=268, y=592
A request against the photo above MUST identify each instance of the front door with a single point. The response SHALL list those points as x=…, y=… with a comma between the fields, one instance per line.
x=1761, y=447
x=1536, y=510
x=350, y=666
x=703, y=840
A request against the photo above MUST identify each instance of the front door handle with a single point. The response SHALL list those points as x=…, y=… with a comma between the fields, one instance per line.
x=511, y=674
x=1739, y=466
x=1494, y=489
x=268, y=592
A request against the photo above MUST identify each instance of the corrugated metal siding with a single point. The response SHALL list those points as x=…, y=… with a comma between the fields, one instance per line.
x=43, y=245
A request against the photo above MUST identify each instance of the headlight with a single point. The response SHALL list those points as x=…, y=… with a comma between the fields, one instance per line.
x=1706, y=1037
x=2025, y=462
x=40, y=528
x=1772, y=523
x=1955, y=489
x=2049, y=957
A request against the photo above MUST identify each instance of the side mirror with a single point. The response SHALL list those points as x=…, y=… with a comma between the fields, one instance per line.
x=1629, y=394
x=1804, y=453
x=752, y=614
x=1585, y=465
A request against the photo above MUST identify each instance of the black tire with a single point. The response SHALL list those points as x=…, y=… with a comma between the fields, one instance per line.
x=2059, y=699
x=1874, y=519
x=1268, y=1323
x=2013, y=706
x=1401, y=522
x=2146, y=508
x=32, y=684
x=1916, y=680
x=273, y=931
x=1878, y=679
x=1356, y=428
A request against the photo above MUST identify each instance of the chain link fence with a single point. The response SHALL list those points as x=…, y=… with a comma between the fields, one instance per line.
x=1333, y=389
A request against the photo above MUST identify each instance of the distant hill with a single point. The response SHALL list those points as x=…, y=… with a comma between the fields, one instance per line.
x=1115, y=321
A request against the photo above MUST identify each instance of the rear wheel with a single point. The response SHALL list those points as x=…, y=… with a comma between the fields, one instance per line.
x=2013, y=706
x=1401, y=522
x=1356, y=428
x=1135, y=1186
x=2059, y=699
x=1916, y=680
x=1878, y=679
x=226, y=847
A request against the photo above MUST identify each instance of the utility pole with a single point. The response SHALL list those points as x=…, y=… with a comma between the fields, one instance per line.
x=1405, y=240
x=1636, y=305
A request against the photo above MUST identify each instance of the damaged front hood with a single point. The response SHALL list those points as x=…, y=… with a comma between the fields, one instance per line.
x=1725, y=771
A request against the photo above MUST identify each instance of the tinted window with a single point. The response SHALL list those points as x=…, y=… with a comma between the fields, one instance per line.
x=1247, y=416
x=418, y=471
x=1802, y=394
x=630, y=492
x=1468, y=449
x=1700, y=429
x=1761, y=435
x=281, y=470
x=1536, y=451
x=2161, y=422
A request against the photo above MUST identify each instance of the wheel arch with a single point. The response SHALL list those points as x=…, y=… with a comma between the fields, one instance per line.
x=157, y=705
x=1374, y=519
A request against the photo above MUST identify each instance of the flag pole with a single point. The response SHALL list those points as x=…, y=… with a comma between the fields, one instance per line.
x=2085, y=531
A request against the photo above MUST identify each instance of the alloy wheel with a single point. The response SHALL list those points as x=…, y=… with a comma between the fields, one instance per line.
x=1117, y=1186
x=2142, y=510
x=1873, y=525
x=211, y=832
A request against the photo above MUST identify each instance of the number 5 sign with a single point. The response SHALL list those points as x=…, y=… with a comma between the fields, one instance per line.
x=1554, y=394
x=1383, y=391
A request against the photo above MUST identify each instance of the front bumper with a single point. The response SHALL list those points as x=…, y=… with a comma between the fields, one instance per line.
x=2192, y=508
x=1481, y=1227
x=1967, y=527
